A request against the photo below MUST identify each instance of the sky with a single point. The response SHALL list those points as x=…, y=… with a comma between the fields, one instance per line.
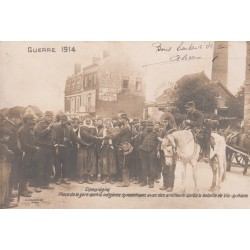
x=28, y=78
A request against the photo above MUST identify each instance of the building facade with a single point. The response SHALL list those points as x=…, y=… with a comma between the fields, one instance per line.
x=106, y=87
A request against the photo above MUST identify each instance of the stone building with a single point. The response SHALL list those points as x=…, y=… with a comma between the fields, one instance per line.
x=106, y=87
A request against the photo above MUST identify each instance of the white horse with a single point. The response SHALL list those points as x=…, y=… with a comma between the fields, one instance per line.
x=188, y=152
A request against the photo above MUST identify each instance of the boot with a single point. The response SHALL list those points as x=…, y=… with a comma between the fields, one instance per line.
x=89, y=181
x=163, y=188
x=65, y=181
x=104, y=181
x=123, y=184
x=137, y=181
x=143, y=184
x=25, y=193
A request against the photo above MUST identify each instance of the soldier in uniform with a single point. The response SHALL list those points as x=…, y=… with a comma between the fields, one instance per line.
x=123, y=138
x=12, y=123
x=45, y=135
x=30, y=153
x=168, y=172
x=195, y=121
x=6, y=160
x=65, y=136
x=74, y=150
x=148, y=148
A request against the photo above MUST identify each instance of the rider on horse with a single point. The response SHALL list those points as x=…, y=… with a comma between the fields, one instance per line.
x=195, y=121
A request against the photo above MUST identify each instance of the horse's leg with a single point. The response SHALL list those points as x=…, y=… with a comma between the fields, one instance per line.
x=245, y=166
x=183, y=175
x=229, y=155
x=220, y=172
x=194, y=166
x=214, y=171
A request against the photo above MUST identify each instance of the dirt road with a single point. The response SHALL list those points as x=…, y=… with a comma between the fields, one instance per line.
x=234, y=193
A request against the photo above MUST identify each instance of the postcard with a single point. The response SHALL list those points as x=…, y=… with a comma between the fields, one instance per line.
x=154, y=124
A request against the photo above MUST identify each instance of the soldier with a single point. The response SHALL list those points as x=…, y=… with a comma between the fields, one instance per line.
x=168, y=172
x=12, y=123
x=45, y=135
x=124, y=149
x=65, y=136
x=74, y=150
x=30, y=153
x=148, y=149
x=6, y=160
x=195, y=121
x=137, y=160
x=99, y=130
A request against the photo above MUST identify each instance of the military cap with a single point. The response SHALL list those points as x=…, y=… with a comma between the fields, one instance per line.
x=143, y=122
x=100, y=118
x=157, y=122
x=123, y=116
x=75, y=118
x=190, y=104
x=14, y=113
x=135, y=120
x=166, y=116
x=149, y=123
x=48, y=113
x=27, y=117
x=116, y=123
x=64, y=117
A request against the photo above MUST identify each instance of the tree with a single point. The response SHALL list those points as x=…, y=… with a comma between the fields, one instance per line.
x=201, y=93
x=235, y=104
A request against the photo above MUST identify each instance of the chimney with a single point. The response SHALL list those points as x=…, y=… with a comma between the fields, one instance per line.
x=106, y=54
x=77, y=68
x=96, y=59
x=220, y=63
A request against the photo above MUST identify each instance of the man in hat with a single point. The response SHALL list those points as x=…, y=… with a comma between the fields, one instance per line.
x=45, y=136
x=6, y=161
x=124, y=137
x=148, y=148
x=136, y=161
x=168, y=172
x=195, y=121
x=65, y=136
x=30, y=153
x=12, y=123
x=74, y=150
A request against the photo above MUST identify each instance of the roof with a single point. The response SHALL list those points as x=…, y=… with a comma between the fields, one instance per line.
x=197, y=76
x=36, y=110
x=224, y=88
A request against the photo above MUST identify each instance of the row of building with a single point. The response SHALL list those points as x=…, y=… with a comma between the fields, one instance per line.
x=108, y=86
x=112, y=85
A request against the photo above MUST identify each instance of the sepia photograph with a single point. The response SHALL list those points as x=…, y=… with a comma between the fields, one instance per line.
x=154, y=124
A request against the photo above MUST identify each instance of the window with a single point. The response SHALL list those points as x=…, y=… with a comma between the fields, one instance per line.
x=90, y=80
x=86, y=82
x=89, y=100
x=83, y=100
x=78, y=103
x=125, y=84
x=138, y=85
x=72, y=105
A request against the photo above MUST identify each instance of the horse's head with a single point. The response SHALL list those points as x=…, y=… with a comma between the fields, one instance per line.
x=168, y=147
